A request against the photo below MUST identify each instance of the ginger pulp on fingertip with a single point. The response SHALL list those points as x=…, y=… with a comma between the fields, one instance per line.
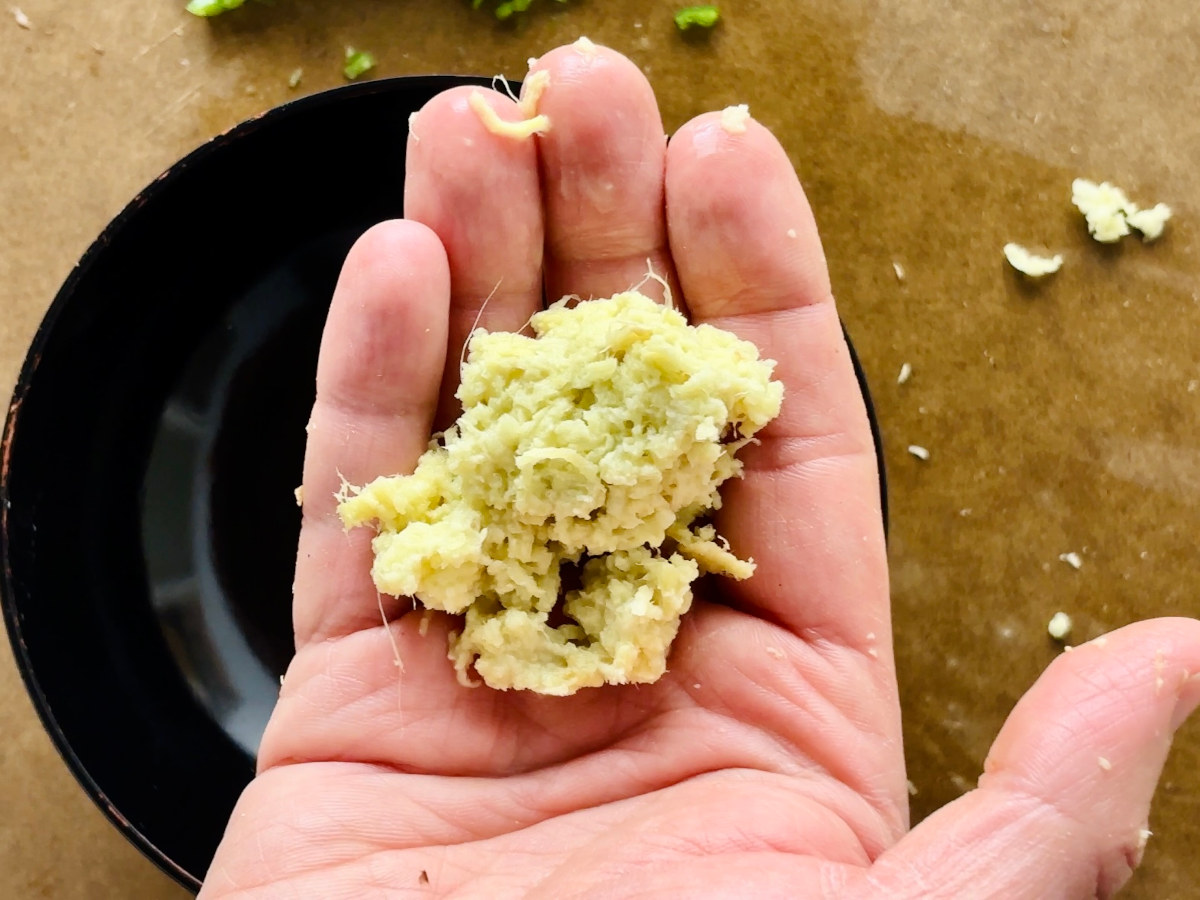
x=530, y=124
x=531, y=93
x=734, y=118
x=562, y=514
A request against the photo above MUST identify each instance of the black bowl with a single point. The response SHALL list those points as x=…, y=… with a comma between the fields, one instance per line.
x=171, y=380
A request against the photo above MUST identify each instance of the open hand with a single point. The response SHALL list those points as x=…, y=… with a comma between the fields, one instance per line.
x=768, y=762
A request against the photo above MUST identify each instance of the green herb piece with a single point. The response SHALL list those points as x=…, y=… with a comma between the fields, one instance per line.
x=506, y=9
x=700, y=16
x=208, y=8
x=358, y=62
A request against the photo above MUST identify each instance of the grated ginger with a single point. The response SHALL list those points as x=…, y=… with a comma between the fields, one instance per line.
x=1110, y=213
x=561, y=514
x=1031, y=264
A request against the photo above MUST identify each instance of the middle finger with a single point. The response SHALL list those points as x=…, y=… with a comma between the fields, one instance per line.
x=602, y=164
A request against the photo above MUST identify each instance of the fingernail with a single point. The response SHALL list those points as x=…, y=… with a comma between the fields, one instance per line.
x=1189, y=699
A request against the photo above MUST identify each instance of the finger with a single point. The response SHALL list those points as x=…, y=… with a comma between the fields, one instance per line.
x=479, y=193
x=602, y=174
x=1061, y=810
x=377, y=387
x=750, y=261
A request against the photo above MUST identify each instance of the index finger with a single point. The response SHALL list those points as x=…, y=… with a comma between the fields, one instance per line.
x=378, y=373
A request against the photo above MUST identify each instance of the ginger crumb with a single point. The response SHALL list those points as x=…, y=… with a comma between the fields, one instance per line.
x=516, y=130
x=1104, y=206
x=294, y=79
x=919, y=452
x=412, y=127
x=21, y=19
x=905, y=373
x=1150, y=222
x=899, y=270
x=912, y=788
x=299, y=495
x=774, y=653
x=585, y=47
x=1030, y=263
x=734, y=118
x=1103, y=763
x=1143, y=838
x=561, y=515
x=791, y=232
x=1072, y=559
x=423, y=625
x=1059, y=626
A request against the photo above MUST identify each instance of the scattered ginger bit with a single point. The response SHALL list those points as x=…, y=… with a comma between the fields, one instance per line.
x=1059, y=626
x=1150, y=222
x=1030, y=263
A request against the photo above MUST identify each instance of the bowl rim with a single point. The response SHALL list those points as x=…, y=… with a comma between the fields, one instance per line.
x=46, y=327
x=28, y=373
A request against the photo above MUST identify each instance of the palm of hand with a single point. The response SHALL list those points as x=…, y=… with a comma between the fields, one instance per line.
x=768, y=762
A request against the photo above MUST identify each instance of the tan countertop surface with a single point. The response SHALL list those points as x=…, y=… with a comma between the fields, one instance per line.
x=1062, y=418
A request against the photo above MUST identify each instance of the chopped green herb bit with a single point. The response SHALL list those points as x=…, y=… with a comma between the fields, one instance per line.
x=358, y=62
x=701, y=16
x=506, y=9
x=208, y=8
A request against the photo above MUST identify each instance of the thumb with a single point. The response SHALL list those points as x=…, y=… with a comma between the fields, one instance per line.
x=1061, y=809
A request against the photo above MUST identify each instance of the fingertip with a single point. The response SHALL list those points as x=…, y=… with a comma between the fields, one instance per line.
x=1170, y=646
x=391, y=262
x=741, y=229
x=450, y=123
x=395, y=248
x=723, y=132
x=580, y=61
